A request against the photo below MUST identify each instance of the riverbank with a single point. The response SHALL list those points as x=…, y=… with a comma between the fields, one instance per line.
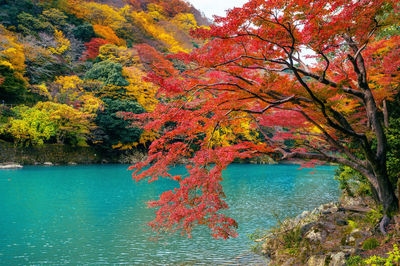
x=342, y=233
x=57, y=154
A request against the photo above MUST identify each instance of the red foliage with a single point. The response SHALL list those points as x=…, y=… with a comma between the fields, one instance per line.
x=92, y=48
x=174, y=7
x=252, y=73
x=171, y=7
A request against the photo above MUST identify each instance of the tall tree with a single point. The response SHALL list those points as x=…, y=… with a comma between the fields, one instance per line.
x=311, y=72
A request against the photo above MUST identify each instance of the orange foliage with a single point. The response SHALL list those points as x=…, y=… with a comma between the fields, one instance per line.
x=108, y=34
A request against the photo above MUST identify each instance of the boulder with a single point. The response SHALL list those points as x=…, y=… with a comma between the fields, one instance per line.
x=338, y=259
x=341, y=222
x=11, y=166
x=305, y=228
x=316, y=260
x=48, y=164
x=316, y=235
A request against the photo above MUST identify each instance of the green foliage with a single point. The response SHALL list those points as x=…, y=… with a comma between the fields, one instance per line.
x=352, y=182
x=117, y=129
x=292, y=238
x=254, y=237
x=10, y=9
x=370, y=243
x=393, y=137
x=31, y=25
x=13, y=87
x=392, y=259
x=84, y=32
x=354, y=261
x=55, y=17
x=374, y=216
x=109, y=72
x=29, y=127
x=46, y=122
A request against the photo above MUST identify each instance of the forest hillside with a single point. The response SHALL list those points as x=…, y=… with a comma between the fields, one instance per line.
x=67, y=67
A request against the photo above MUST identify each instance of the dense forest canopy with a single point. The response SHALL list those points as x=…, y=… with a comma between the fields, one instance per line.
x=67, y=67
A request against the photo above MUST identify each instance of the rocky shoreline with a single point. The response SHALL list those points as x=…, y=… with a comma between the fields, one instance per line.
x=10, y=166
x=334, y=234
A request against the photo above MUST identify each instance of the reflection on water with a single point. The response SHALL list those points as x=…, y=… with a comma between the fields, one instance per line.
x=97, y=214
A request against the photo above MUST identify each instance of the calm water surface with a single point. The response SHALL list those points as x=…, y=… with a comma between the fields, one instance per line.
x=97, y=214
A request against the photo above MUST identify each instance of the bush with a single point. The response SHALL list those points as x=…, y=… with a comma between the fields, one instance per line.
x=370, y=243
x=354, y=261
x=392, y=259
x=108, y=72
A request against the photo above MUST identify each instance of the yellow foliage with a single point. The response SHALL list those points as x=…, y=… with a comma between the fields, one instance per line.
x=185, y=21
x=227, y=135
x=91, y=104
x=95, y=13
x=143, y=92
x=121, y=146
x=67, y=89
x=147, y=137
x=63, y=44
x=156, y=12
x=108, y=34
x=12, y=53
x=41, y=89
x=122, y=55
x=158, y=32
x=155, y=8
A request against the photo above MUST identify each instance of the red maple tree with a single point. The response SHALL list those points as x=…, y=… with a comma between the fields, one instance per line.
x=92, y=48
x=310, y=77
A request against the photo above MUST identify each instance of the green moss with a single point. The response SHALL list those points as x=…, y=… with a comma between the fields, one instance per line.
x=370, y=243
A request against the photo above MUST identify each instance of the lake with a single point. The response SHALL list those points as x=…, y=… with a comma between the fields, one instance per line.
x=97, y=215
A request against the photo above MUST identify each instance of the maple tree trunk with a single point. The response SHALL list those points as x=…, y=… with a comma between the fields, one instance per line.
x=385, y=114
x=386, y=196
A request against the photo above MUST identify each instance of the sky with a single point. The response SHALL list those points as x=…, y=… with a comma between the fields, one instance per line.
x=216, y=7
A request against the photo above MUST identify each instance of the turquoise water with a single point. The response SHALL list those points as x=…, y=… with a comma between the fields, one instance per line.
x=97, y=214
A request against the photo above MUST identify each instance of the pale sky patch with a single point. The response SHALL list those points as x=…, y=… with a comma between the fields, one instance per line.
x=216, y=7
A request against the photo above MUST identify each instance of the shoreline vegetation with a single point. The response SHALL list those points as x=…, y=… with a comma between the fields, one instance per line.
x=335, y=234
x=56, y=154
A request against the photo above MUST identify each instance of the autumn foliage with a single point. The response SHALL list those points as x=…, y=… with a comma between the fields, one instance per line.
x=292, y=79
x=82, y=56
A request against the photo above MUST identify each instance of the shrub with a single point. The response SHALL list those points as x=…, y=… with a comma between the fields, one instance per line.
x=354, y=261
x=370, y=243
x=392, y=259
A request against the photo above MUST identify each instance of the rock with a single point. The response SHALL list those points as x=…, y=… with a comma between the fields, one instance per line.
x=11, y=166
x=303, y=215
x=316, y=235
x=329, y=226
x=289, y=262
x=72, y=163
x=341, y=222
x=349, y=250
x=305, y=228
x=316, y=260
x=338, y=259
x=48, y=164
